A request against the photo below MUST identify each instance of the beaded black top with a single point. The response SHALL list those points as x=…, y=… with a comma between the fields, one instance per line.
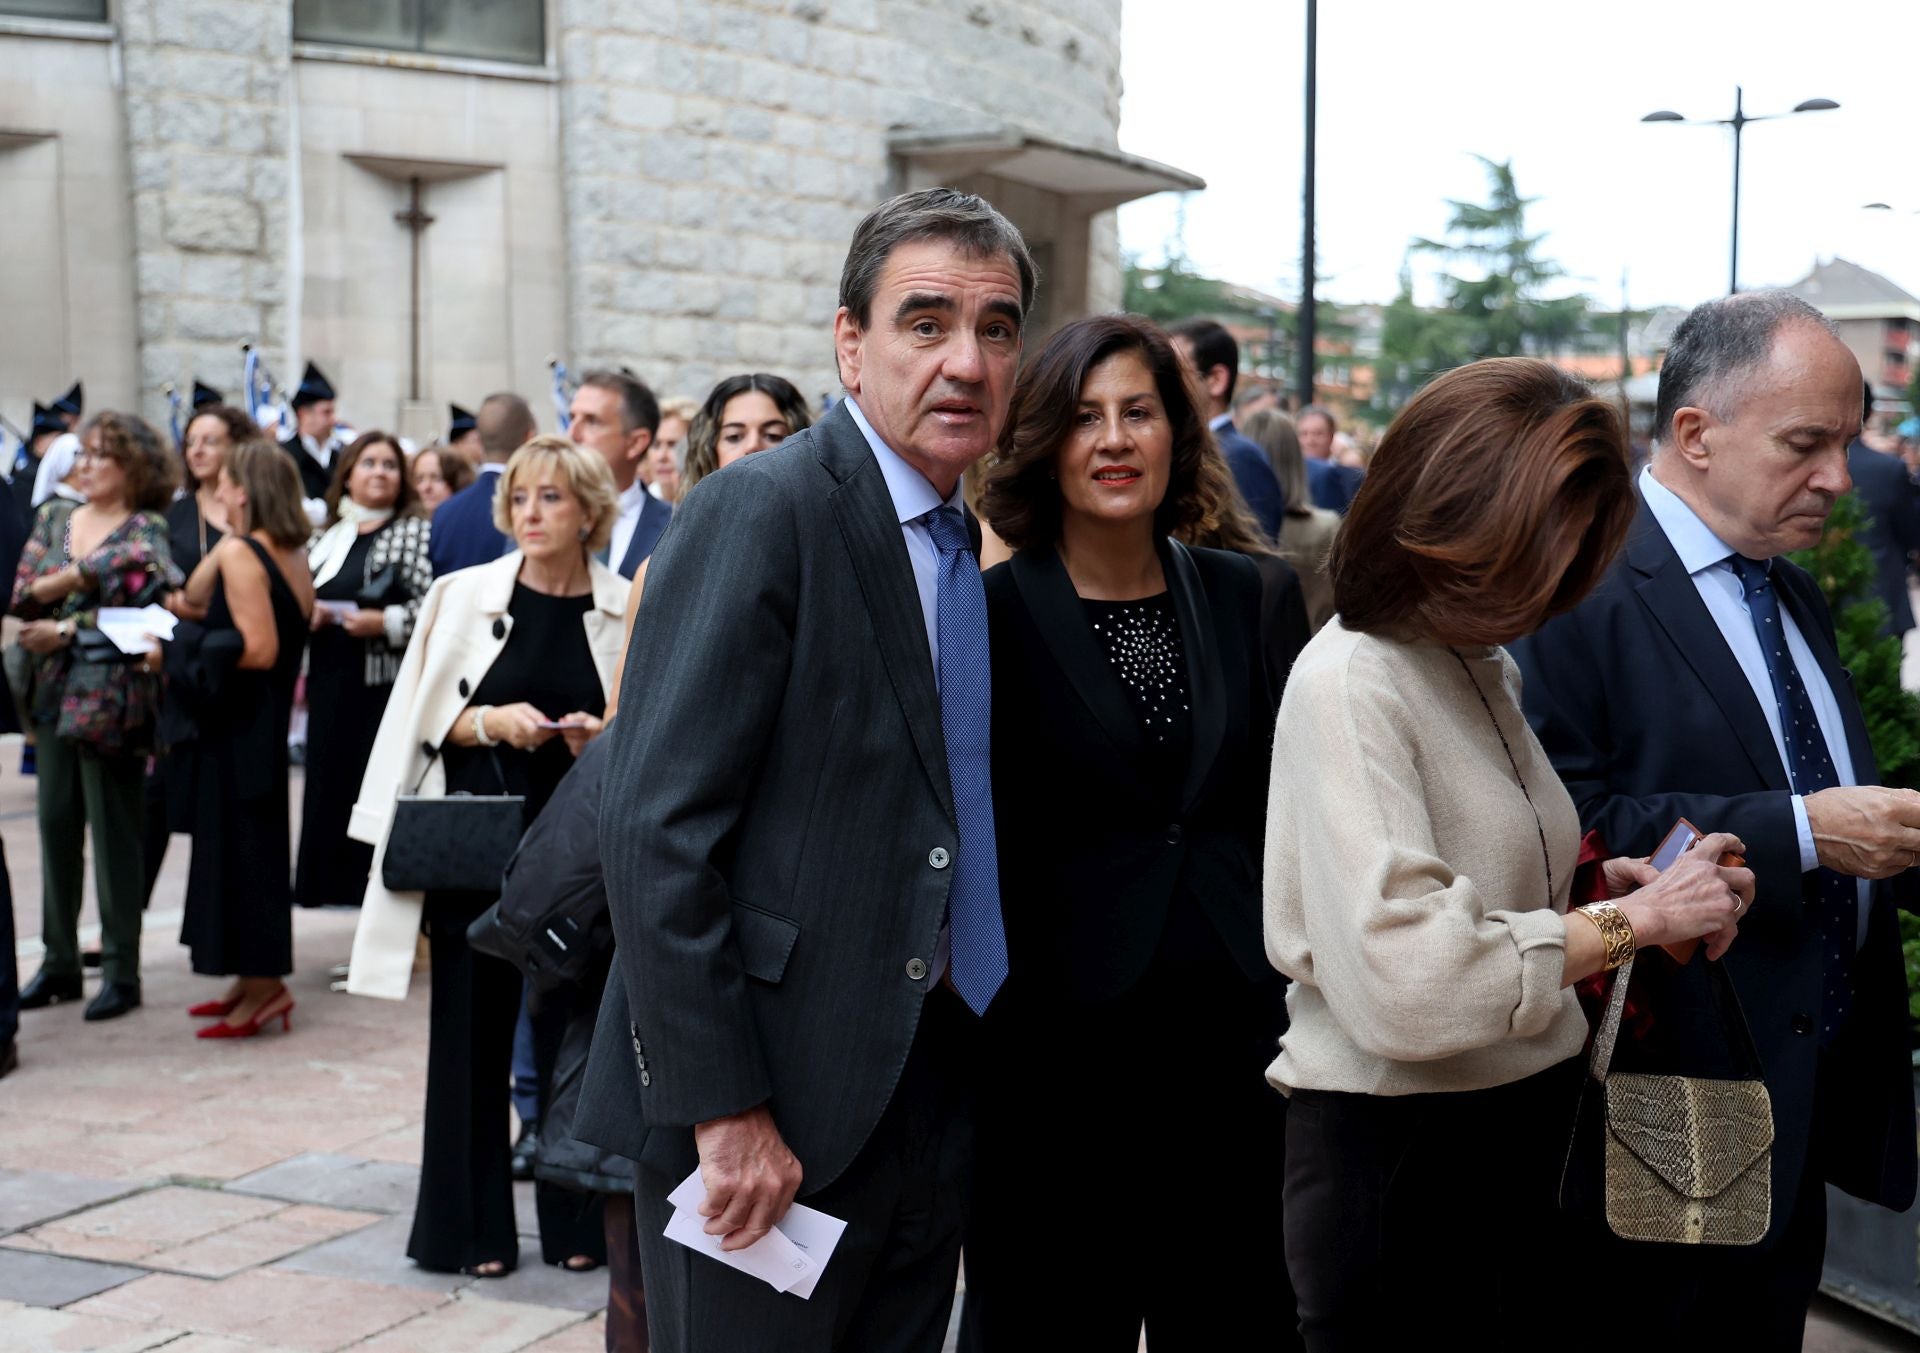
x=1142, y=641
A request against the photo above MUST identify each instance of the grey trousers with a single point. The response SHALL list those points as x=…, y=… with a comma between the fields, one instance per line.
x=889, y=1287
x=81, y=789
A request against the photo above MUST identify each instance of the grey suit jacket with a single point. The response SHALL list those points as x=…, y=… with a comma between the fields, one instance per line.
x=777, y=822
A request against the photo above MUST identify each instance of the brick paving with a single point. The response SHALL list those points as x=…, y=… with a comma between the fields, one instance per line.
x=254, y=1196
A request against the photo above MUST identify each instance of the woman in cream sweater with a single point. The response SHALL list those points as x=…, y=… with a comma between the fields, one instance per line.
x=1419, y=853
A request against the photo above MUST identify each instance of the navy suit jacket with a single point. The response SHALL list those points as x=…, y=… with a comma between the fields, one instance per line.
x=463, y=529
x=1332, y=486
x=1893, y=528
x=654, y=516
x=1253, y=472
x=1648, y=718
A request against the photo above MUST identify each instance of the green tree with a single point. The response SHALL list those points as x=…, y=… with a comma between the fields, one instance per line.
x=1416, y=345
x=1843, y=566
x=1499, y=300
x=1173, y=291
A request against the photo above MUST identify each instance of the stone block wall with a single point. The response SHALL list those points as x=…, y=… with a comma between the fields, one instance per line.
x=207, y=104
x=720, y=152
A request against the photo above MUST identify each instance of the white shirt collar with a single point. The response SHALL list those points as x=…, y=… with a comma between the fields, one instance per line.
x=1692, y=539
x=1219, y=420
x=490, y=467
x=913, y=497
x=631, y=497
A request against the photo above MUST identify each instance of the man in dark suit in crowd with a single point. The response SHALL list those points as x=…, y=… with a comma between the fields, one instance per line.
x=1700, y=680
x=1892, y=532
x=798, y=829
x=615, y=415
x=463, y=529
x=311, y=441
x=13, y=539
x=1215, y=358
x=1330, y=486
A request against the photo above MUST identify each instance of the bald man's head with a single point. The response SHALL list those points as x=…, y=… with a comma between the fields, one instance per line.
x=505, y=424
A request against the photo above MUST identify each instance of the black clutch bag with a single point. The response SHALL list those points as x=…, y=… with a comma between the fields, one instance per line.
x=92, y=645
x=381, y=589
x=452, y=842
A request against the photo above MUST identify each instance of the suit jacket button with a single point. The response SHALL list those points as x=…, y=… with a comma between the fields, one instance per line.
x=1174, y=834
x=1802, y=1025
x=428, y=750
x=916, y=968
x=464, y=688
x=938, y=857
x=646, y=1078
x=499, y=629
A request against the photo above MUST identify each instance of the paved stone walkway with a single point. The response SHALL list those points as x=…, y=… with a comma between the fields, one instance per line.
x=161, y=1192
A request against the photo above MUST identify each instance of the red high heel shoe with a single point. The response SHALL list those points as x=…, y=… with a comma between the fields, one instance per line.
x=262, y=1017
x=213, y=1009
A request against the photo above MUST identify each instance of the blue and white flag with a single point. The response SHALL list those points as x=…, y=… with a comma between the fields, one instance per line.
x=562, y=395
x=173, y=413
x=257, y=393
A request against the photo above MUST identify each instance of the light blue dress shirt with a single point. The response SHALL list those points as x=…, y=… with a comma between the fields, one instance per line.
x=1704, y=556
x=913, y=497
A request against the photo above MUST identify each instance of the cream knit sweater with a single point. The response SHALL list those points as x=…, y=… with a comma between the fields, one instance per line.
x=1406, y=894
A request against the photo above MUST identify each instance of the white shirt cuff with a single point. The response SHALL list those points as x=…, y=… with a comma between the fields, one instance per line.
x=1809, y=855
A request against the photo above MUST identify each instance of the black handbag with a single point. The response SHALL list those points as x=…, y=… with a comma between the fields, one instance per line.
x=382, y=589
x=92, y=645
x=452, y=842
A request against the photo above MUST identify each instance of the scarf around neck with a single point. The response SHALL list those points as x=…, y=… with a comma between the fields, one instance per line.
x=329, y=552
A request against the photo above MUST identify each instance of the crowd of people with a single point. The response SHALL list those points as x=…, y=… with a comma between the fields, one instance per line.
x=1061, y=806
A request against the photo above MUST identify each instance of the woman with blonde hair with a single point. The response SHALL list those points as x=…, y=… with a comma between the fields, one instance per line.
x=256, y=593
x=504, y=683
x=1306, y=531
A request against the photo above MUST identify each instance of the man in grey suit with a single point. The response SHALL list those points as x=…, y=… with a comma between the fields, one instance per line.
x=797, y=830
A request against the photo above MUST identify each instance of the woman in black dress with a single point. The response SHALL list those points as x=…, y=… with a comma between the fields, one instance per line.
x=196, y=522
x=1132, y=727
x=370, y=571
x=255, y=582
x=504, y=683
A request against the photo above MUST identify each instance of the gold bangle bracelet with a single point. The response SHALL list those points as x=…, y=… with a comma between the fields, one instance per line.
x=1616, y=931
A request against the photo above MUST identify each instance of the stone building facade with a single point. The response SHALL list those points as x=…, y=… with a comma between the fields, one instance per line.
x=434, y=212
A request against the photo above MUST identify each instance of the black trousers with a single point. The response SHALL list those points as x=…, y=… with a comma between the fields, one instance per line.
x=1422, y=1215
x=1129, y=1171
x=464, y=1213
x=889, y=1287
x=9, y=969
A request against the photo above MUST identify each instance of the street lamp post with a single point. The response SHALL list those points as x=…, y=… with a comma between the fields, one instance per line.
x=1307, y=309
x=1738, y=122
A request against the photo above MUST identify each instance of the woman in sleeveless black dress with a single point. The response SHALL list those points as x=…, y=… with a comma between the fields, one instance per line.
x=238, y=910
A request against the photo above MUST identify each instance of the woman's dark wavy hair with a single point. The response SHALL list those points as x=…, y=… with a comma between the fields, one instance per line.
x=703, y=434
x=1497, y=500
x=1019, y=493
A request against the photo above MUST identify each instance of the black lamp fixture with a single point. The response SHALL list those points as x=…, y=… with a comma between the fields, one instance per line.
x=1738, y=121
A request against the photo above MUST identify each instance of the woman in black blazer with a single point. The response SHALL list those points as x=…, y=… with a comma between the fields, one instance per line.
x=1130, y=1150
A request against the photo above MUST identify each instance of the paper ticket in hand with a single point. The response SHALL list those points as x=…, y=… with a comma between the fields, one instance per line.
x=789, y=1258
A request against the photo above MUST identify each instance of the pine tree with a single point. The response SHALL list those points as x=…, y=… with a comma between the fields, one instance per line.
x=1844, y=568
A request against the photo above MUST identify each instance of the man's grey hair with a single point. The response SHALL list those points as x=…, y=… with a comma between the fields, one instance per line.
x=1719, y=345
x=969, y=223
x=638, y=407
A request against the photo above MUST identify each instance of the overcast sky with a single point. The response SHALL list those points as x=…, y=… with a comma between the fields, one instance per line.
x=1411, y=90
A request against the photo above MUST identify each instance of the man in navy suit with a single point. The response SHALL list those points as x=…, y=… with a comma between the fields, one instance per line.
x=1892, y=531
x=463, y=529
x=1330, y=486
x=1215, y=358
x=1701, y=680
x=615, y=415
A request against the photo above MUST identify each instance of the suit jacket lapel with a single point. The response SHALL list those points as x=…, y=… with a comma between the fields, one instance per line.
x=871, y=528
x=1670, y=594
x=1055, y=607
x=1208, y=695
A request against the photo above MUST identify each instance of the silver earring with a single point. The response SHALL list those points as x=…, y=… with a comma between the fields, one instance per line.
x=584, y=533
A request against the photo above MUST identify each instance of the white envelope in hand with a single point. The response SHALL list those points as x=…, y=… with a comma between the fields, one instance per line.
x=789, y=1258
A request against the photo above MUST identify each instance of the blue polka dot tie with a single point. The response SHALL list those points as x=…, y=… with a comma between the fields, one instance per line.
x=978, y=937
x=1810, y=768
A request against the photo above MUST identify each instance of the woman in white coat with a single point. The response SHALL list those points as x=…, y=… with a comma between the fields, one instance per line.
x=506, y=679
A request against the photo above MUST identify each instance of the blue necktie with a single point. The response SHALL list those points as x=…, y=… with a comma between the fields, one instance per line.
x=1810, y=768
x=978, y=938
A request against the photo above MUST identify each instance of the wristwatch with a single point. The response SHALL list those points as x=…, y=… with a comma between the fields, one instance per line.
x=65, y=630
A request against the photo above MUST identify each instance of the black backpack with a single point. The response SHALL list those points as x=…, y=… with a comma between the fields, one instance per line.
x=551, y=921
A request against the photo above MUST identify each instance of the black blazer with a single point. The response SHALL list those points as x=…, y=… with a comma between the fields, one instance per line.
x=1092, y=855
x=777, y=819
x=654, y=516
x=1648, y=718
x=1892, y=532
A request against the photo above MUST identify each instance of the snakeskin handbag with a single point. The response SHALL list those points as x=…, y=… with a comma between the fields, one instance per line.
x=1683, y=1160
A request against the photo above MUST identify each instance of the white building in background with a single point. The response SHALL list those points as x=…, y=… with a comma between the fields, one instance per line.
x=431, y=198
